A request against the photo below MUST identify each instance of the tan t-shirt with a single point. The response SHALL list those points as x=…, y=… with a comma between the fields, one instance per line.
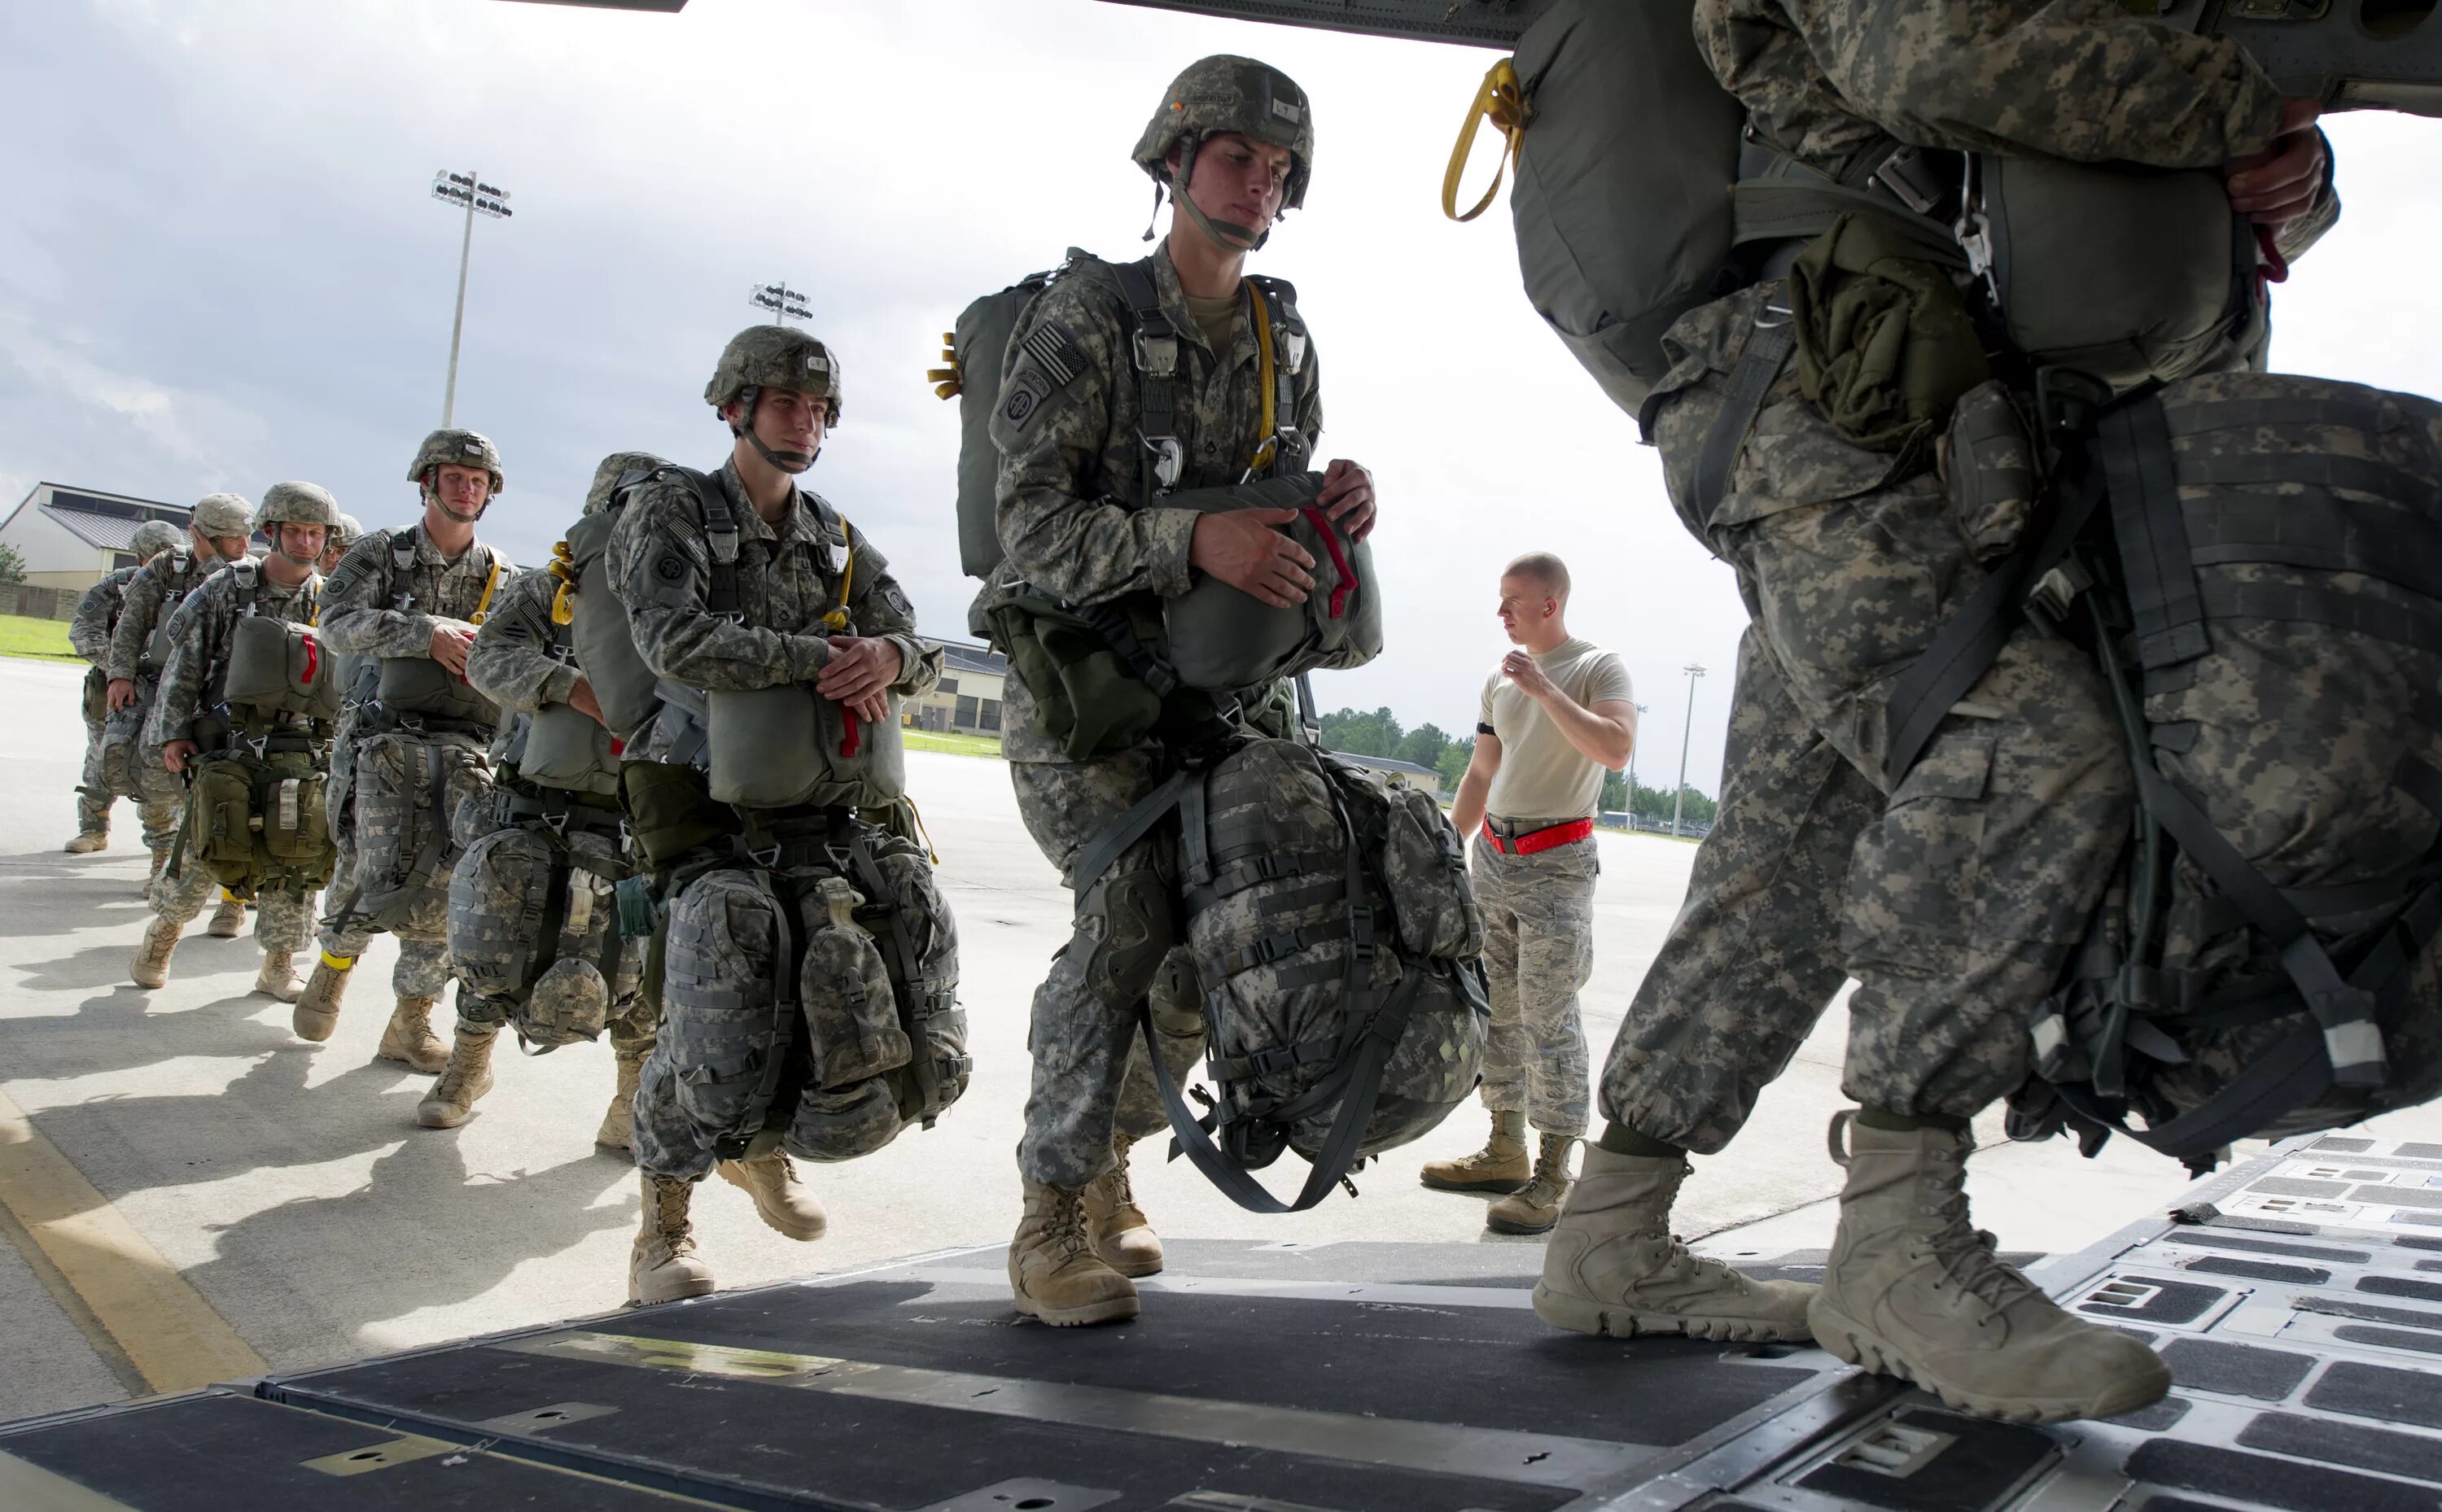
x=1217, y=318
x=1542, y=775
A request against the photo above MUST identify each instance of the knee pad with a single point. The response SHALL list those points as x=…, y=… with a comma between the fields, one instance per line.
x=1133, y=929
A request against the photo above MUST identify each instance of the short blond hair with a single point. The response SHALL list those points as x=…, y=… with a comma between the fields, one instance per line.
x=1545, y=568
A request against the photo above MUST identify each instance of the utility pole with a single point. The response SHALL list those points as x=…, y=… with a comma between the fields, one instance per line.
x=1631, y=765
x=1679, y=799
x=785, y=304
x=476, y=197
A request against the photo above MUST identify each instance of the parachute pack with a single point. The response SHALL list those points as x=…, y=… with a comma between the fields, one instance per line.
x=1335, y=949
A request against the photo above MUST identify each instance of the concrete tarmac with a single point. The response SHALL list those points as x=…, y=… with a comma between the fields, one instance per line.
x=240, y=1175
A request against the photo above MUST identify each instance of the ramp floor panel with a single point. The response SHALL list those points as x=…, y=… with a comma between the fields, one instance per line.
x=2298, y=1301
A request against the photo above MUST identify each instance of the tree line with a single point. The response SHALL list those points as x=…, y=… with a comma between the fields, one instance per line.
x=1379, y=733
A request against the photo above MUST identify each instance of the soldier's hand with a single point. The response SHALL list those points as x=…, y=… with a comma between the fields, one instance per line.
x=580, y=698
x=2274, y=188
x=451, y=641
x=175, y=753
x=1243, y=550
x=859, y=671
x=873, y=710
x=1347, y=497
x=121, y=694
x=1519, y=668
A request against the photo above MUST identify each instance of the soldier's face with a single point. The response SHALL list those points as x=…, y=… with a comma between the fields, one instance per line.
x=1240, y=180
x=227, y=548
x=300, y=544
x=462, y=492
x=331, y=554
x=787, y=420
x=1523, y=605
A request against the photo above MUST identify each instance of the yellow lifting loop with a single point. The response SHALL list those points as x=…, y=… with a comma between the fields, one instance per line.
x=563, y=605
x=836, y=620
x=1503, y=103
x=945, y=380
x=483, y=605
x=931, y=853
x=1264, y=416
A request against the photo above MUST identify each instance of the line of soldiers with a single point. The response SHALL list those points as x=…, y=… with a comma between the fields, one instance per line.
x=798, y=996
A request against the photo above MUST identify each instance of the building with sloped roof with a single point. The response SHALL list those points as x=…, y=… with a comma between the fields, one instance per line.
x=68, y=537
x=967, y=701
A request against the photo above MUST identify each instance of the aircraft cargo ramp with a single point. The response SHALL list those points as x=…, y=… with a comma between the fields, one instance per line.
x=2298, y=1300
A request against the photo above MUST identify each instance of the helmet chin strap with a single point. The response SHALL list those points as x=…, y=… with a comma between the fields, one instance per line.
x=1227, y=235
x=432, y=495
x=785, y=460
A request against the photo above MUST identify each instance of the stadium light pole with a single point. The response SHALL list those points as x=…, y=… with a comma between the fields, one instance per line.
x=1679, y=799
x=476, y=198
x=785, y=304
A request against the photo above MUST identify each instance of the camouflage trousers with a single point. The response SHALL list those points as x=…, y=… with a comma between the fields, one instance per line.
x=283, y=912
x=1966, y=886
x=1539, y=951
x=499, y=903
x=160, y=794
x=397, y=840
x=1091, y=1076
x=93, y=788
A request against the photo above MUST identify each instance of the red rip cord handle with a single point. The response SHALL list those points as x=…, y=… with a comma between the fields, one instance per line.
x=855, y=735
x=313, y=660
x=1339, y=558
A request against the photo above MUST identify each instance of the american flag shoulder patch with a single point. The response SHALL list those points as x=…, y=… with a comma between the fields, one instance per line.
x=1054, y=350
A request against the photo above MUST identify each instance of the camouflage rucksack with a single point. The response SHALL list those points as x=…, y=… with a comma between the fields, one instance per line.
x=1336, y=948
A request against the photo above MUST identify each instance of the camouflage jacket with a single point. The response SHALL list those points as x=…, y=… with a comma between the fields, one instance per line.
x=97, y=614
x=191, y=682
x=521, y=661
x=1828, y=81
x=788, y=578
x=1066, y=424
x=357, y=619
x=155, y=590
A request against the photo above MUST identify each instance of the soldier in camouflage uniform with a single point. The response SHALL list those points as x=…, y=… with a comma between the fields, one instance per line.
x=344, y=534
x=403, y=767
x=523, y=662
x=96, y=616
x=1081, y=521
x=217, y=533
x=797, y=563
x=1955, y=897
x=189, y=706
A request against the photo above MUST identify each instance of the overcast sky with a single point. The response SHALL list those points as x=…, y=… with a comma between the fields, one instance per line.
x=220, y=266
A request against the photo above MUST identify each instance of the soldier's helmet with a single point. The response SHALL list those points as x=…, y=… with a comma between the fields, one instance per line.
x=617, y=471
x=776, y=357
x=456, y=448
x=347, y=531
x=296, y=503
x=1225, y=93
x=224, y=515
x=153, y=538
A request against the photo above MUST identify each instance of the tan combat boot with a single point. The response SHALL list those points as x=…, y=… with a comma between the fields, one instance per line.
x=1535, y=1207
x=408, y=1037
x=618, y=1131
x=1122, y=1235
x=1612, y=1267
x=1500, y=1166
x=1053, y=1272
x=465, y=1080
x=1912, y=1290
x=150, y=967
x=228, y=920
x=87, y=842
x=318, y=1007
x=663, y=1264
x=785, y=1203
x=278, y=976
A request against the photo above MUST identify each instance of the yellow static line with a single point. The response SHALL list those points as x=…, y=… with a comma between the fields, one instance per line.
x=168, y=1333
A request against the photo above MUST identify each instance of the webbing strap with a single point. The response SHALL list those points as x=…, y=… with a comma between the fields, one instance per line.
x=1195, y=862
x=1153, y=343
x=1767, y=350
x=427, y=864
x=2199, y=415
x=784, y=1006
x=720, y=540
x=1097, y=857
x=2301, y=603
x=2319, y=469
x=2318, y=531
x=551, y=923
x=2133, y=444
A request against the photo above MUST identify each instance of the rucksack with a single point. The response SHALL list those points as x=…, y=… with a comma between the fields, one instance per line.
x=598, y=622
x=974, y=351
x=1336, y=946
x=2256, y=562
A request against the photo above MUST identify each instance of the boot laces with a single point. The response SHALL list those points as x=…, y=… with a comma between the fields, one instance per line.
x=670, y=1217
x=1969, y=1256
x=1065, y=1225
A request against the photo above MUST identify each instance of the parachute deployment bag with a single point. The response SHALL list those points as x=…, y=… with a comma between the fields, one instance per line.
x=1223, y=639
x=279, y=666
x=1334, y=943
x=623, y=685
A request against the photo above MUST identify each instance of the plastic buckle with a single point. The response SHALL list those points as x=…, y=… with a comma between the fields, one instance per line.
x=723, y=544
x=2067, y=399
x=1904, y=176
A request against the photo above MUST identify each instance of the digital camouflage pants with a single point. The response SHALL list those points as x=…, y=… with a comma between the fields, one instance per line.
x=159, y=793
x=1539, y=951
x=1091, y=1078
x=500, y=910
x=403, y=826
x=284, y=914
x=93, y=788
x=1955, y=898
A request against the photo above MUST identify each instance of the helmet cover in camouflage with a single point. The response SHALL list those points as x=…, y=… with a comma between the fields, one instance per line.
x=218, y=515
x=347, y=531
x=1225, y=93
x=570, y=1002
x=776, y=357
x=153, y=538
x=296, y=503
x=457, y=449
x=618, y=465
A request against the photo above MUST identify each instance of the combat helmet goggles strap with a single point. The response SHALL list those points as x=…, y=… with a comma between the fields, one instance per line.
x=788, y=462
